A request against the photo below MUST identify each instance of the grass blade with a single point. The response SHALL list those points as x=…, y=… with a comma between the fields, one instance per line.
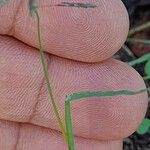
x=146, y=78
x=142, y=59
x=141, y=41
x=76, y=96
x=69, y=125
x=139, y=28
x=33, y=11
x=62, y=128
x=3, y=2
x=144, y=127
x=32, y=7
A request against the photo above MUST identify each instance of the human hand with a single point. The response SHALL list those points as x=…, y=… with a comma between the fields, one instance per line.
x=79, y=37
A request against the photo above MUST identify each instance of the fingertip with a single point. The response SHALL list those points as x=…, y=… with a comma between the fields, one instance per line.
x=83, y=34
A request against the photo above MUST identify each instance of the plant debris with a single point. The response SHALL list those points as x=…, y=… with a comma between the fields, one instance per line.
x=81, y=5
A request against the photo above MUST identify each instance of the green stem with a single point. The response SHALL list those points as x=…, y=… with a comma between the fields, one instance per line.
x=126, y=48
x=69, y=125
x=139, y=28
x=51, y=97
x=142, y=59
x=146, y=78
x=141, y=41
x=76, y=96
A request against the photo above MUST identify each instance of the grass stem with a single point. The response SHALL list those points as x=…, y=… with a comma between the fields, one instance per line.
x=139, y=28
x=141, y=41
x=77, y=96
x=142, y=59
x=69, y=125
x=146, y=78
x=51, y=97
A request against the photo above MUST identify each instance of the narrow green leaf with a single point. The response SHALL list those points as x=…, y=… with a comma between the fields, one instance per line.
x=147, y=68
x=142, y=59
x=46, y=76
x=144, y=126
x=146, y=77
x=32, y=7
x=76, y=96
x=69, y=125
x=3, y=2
x=139, y=28
x=140, y=41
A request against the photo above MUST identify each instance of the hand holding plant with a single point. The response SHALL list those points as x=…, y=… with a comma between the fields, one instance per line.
x=87, y=35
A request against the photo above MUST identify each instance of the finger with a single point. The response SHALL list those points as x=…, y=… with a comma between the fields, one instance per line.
x=88, y=35
x=23, y=92
x=27, y=137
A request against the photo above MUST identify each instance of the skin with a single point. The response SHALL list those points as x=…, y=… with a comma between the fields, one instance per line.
x=79, y=44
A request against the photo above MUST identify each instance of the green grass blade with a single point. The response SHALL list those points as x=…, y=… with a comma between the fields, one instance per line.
x=144, y=126
x=139, y=28
x=142, y=59
x=146, y=78
x=3, y=2
x=141, y=41
x=77, y=96
x=33, y=11
x=62, y=128
x=32, y=7
x=147, y=68
x=69, y=125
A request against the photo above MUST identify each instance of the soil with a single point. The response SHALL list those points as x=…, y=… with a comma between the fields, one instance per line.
x=139, y=13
